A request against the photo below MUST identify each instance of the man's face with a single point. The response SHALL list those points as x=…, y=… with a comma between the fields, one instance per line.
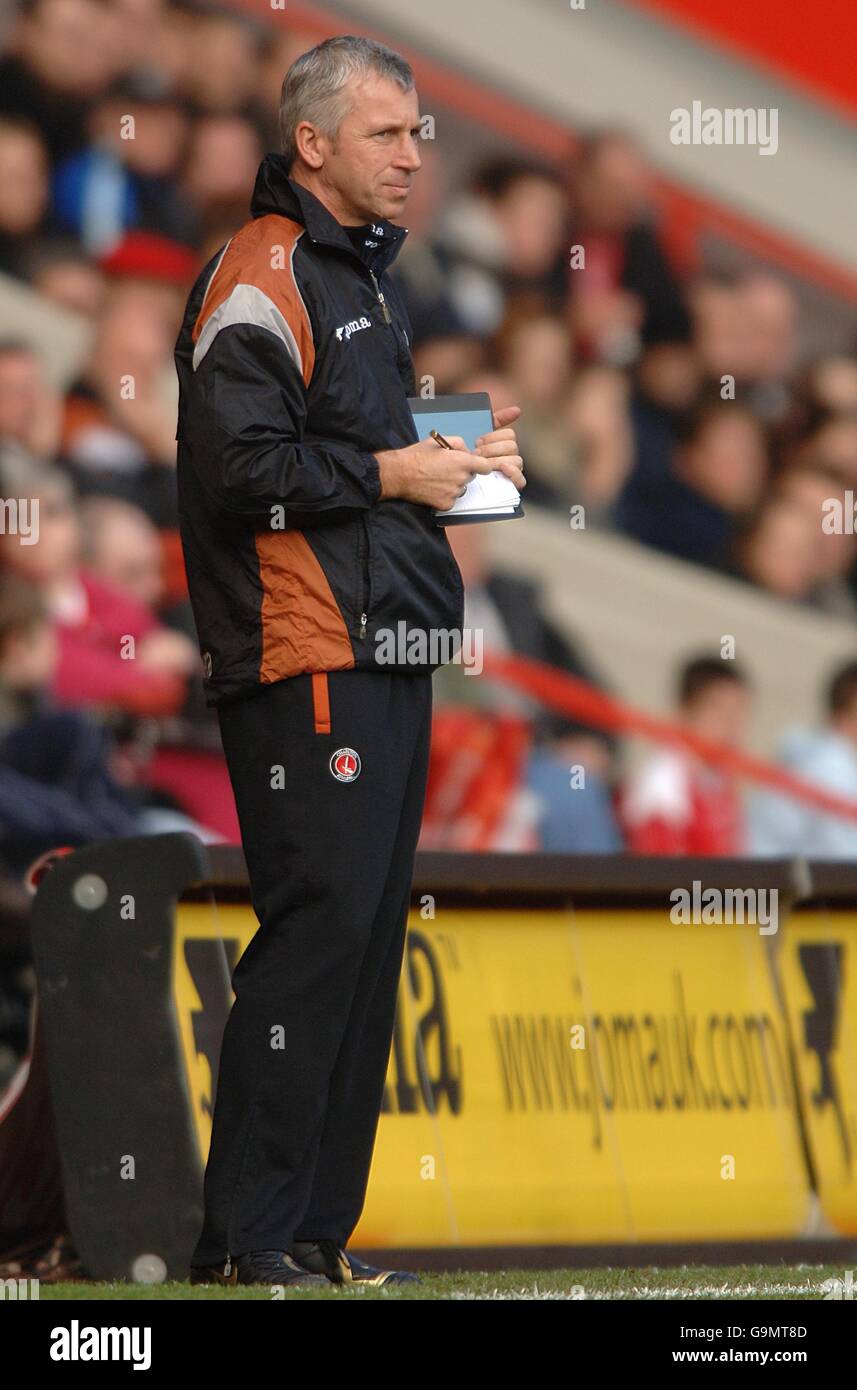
x=369, y=166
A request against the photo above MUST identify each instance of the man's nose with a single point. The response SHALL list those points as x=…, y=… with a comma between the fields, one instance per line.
x=408, y=155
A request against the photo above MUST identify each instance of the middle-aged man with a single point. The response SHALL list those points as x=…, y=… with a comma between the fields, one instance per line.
x=307, y=519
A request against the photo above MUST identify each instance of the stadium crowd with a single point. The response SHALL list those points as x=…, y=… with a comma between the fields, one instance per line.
x=674, y=405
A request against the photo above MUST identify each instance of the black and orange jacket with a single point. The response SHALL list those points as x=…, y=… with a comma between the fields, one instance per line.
x=294, y=370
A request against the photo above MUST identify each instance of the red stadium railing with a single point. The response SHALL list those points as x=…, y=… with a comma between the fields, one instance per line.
x=578, y=699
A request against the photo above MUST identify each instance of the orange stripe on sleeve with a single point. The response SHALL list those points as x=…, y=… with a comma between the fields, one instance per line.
x=261, y=256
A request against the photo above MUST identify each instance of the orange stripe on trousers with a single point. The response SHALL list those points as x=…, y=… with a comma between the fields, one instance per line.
x=321, y=702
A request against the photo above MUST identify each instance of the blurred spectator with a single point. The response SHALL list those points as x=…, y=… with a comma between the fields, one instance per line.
x=676, y=804
x=625, y=293
x=123, y=548
x=55, y=783
x=220, y=171
x=598, y=413
x=668, y=377
x=504, y=235
x=58, y=787
x=831, y=385
x=769, y=322
x=59, y=269
x=112, y=651
x=779, y=549
x=141, y=24
x=664, y=394
x=746, y=328
x=64, y=53
x=718, y=472
x=505, y=611
x=533, y=347
x=832, y=445
x=826, y=758
x=30, y=409
x=221, y=77
x=171, y=41
x=836, y=551
x=119, y=426
x=718, y=325
x=23, y=191
x=126, y=177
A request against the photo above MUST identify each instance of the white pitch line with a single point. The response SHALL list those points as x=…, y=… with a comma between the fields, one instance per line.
x=648, y=1291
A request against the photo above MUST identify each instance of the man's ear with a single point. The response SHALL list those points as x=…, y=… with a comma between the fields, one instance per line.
x=307, y=137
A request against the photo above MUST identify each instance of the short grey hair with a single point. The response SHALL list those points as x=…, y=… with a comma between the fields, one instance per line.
x=316, y=86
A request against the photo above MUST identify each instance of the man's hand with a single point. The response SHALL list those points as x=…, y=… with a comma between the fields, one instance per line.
x=501, y=446
x=429, y=474
x=433, y=476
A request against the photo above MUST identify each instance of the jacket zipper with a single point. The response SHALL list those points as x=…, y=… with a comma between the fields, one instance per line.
x=388, y=317
x=364, y=597
x=399, y=340
x=364, y=577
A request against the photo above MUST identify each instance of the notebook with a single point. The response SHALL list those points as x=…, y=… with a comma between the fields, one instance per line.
x=489, y=496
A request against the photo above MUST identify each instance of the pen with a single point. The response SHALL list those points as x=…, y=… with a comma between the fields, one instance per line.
x=439, y=439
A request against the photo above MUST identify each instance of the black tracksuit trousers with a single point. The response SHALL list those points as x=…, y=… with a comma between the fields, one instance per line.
x=330, y=860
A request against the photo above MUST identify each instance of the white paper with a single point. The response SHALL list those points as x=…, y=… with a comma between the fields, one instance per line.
x=490, y=494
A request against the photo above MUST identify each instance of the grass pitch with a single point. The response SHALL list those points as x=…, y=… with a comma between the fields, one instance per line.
x=685, y=1283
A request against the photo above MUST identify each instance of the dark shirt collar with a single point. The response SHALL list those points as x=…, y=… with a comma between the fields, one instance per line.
x=276, y=193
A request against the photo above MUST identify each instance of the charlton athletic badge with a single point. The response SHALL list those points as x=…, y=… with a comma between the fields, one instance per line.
x=345, y=765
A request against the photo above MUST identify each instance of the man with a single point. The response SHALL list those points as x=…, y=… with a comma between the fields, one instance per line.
x=308, y=527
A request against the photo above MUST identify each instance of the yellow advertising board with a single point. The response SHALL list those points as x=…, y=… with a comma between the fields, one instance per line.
x=820, y=982
x=558, y=1077
x=207, y=944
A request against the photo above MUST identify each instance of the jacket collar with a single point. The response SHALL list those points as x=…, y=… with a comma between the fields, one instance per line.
x=275, y=192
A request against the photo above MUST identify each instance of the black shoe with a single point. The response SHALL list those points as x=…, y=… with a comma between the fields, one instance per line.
x=340, y=1267
x=259, y=1267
